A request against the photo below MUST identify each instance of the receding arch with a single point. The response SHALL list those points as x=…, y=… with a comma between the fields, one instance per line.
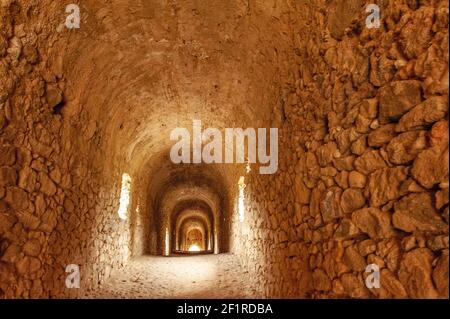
x=201, y=212
x=193, y=236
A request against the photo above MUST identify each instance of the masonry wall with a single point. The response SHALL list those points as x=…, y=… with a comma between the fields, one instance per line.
x=363, y=118
x=363, y=173
x=56, y=208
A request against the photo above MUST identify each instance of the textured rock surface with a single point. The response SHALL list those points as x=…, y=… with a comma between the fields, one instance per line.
x=363, y=150
x=416, y=212
x=398, y=97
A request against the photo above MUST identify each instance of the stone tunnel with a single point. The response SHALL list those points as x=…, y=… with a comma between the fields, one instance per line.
x=92, y=206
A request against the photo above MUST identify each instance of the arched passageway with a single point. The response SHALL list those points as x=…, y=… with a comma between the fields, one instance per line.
x=89, y=118
x=193, y=231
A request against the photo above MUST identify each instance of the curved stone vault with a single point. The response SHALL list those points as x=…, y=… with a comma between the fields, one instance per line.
x=86, y=177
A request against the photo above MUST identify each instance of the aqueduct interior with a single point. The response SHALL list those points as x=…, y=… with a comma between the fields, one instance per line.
x=86, y=177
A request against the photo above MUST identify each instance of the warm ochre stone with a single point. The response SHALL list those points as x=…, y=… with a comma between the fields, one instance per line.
x=429, y=111
x=439, y=133
x=354, y=260
x=356, y=179
x=8, y=176
x=346, y=230
x=382, y=135
x=366, y=247
x=303, y=193
x=53, y=95
x=357, y=117
x=385, y=185
x=28, y=265
x=7, y=155
x=405, y=147
x=351, y=200
x=441, y=198
x=17, y=198
x=431, y=166
x=374, y=222
x=321, y=280
x=398, y=97
x=415, y=273
x=416, y=212
x=440, y=274
x=392, y=284
x=330, y=204
x=369, y=162
x=32, y=248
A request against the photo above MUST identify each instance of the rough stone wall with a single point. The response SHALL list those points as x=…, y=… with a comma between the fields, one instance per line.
x=363, y=117
x=142, y=220
x=363, y=175
x=54, y=210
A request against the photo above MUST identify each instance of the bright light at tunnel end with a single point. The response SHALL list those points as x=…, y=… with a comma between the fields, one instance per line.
x=194, y=248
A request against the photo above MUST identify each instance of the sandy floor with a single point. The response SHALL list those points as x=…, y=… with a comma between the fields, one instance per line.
x=206, y=276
